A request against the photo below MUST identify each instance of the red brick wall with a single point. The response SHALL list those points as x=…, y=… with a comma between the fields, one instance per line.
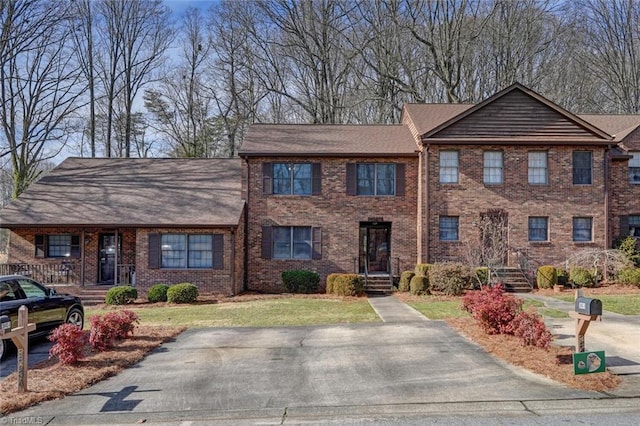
x=208, y=281
x=226, y=281
x=337, y=214
x=560, y=201
x=624, y=196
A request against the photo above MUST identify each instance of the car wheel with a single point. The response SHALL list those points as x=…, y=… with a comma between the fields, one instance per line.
x=75, y=317
x=4, y=348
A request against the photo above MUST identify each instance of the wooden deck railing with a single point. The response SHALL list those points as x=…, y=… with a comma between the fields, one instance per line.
x=51, y=273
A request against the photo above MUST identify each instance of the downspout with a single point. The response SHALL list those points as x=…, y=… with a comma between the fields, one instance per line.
x=606, y=198
x=245, y=278
x=427, y=206
x=115, y=263
x=232, y=267
x=82, y=256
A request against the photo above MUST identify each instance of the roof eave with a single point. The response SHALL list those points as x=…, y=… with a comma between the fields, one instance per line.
x=515, y=141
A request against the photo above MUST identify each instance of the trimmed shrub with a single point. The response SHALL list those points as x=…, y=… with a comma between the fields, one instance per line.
x=113, y=325
x=563, y=276
x=405, y=281
x=182, y=293
x=328, y=288
x=581, y=277
x=629, y=276
x=546, y=276
x=300, y=281
x=419, y=285
x=158, y=293
x=121, y=295
x=422, y=269
x=492, y=308
x=482, y=275
x=531, y=330
x=69, y=341
x=346, y=285
x=451, y=278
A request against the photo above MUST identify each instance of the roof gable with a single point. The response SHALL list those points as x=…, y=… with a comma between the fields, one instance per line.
x=518, y=115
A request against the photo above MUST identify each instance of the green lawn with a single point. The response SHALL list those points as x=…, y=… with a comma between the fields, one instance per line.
x=436, y=310
x=255, y=313
x=628, y=304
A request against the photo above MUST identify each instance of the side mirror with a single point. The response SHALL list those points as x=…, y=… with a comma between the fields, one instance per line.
x=51, y=291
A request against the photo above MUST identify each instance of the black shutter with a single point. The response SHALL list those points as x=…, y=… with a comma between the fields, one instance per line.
x=400, y=179
x=316, y=179
x=316, y=243
x=154, y=251
x=41, y=246
x=267, y=178
x=218, y=251
x=624, y=226
x=75, y=246
x=266, y=242
x=351, y=179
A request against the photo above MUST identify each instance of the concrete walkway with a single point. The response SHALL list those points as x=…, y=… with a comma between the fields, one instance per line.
x=618, y=335
x=390, y=309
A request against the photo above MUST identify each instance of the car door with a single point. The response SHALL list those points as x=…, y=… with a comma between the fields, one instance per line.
x=43, y=309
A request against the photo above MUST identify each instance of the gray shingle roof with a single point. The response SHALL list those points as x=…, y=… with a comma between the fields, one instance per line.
x=132, y=192
x=327, y=140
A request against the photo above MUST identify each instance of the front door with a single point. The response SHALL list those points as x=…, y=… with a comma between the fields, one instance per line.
x=107, y=258
x=375, y=247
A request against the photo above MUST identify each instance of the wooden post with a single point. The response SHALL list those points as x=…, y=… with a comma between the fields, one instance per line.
x=20, y=337
x=582, y=323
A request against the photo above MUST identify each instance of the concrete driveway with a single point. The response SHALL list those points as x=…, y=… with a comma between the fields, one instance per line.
x=267, y=375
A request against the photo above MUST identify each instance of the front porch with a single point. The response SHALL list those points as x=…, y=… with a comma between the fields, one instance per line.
x=66, y=272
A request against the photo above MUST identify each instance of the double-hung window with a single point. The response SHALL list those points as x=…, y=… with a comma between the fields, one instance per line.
x=538, y=168
x=582, y=229
x=634, y=225
x=186, y=251
x=376, y=179
x=292, y=178
x=448, y=166
x=634, y=168
x=582, y=167
x=57, y=246
x=493, y=166
x=291, y=242
x=538, y=229
x=448, y=228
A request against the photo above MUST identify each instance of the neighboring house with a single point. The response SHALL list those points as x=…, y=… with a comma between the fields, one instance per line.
x=142, y=221
x=367, y=199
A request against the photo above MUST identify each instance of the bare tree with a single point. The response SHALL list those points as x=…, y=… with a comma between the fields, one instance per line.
x=39, y=85
x=182, y=109
x=82, y=31
x=612, y=50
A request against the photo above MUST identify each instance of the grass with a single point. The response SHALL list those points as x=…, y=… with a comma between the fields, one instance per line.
x=621, y=304
x=438, y=309
x=254, y=313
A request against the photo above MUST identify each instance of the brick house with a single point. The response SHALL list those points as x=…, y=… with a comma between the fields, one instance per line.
x=140, y=221
x=368, y=199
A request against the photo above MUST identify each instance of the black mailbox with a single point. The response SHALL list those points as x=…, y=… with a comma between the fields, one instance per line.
x=588, y=306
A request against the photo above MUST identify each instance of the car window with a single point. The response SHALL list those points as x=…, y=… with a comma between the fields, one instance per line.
x=31, y=289
x=7, y=293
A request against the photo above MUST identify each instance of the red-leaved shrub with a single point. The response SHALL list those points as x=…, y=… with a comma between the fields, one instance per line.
x=69, y=341
x=530, y=328
x=113, y=325
x=492, y=308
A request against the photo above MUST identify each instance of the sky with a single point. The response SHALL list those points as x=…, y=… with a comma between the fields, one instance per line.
x=179, y=6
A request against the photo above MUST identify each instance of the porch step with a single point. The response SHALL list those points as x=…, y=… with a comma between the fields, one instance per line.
x=90, y=294
x=378, y=285
x=513, y=279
